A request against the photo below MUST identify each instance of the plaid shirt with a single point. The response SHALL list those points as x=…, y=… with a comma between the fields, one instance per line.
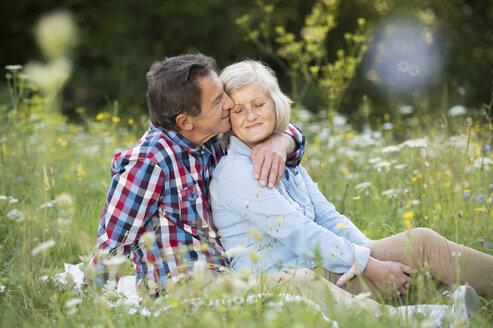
x=157, y=208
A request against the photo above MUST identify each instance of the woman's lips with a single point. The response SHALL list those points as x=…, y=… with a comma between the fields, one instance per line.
x=253, y=125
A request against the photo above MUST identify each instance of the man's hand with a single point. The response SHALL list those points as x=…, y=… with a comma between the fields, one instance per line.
x=269, y=157
x=388, y=276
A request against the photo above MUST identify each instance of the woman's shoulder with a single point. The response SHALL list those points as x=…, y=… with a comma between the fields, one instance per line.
x=233, y=176
x=232, y=165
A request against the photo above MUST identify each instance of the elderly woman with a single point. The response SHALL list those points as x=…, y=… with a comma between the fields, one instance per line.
x=293, y=225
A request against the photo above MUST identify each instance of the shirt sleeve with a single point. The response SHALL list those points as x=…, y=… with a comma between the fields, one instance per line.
x=270, y=212
x=295, y=158
x=327, y=216
x=132, y=199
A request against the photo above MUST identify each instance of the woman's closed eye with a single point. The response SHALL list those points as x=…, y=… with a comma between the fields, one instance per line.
x=237, y=110
x=259, y=105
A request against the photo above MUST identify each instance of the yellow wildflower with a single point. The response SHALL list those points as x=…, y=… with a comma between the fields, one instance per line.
x=80, y=171
x=314, y=69
x=408, y=215
x=100, y=116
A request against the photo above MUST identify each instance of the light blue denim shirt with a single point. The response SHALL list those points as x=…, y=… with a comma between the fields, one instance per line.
x=287, y=226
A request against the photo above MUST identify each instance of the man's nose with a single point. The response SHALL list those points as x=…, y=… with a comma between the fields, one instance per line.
x=229, y=103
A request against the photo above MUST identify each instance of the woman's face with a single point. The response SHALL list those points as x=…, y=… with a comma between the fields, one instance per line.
x=253, y=118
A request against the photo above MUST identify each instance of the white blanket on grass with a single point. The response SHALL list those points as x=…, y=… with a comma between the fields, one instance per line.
x=126, y=287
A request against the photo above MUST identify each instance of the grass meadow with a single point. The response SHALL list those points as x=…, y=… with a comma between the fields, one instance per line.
x=410, y=169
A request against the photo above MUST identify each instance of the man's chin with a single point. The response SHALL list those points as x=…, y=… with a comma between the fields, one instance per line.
x=225, y=127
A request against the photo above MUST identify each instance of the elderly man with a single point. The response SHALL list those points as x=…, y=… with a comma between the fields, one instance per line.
x=157, y=209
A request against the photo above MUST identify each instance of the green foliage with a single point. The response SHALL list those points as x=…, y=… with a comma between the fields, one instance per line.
x=339, y=83
x=119, y=40
x=306, y=59
x=457, y=27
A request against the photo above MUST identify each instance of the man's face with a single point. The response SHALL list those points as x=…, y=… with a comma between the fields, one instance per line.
x=215, y=107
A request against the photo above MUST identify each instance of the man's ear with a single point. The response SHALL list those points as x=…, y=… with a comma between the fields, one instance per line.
x=184, y=122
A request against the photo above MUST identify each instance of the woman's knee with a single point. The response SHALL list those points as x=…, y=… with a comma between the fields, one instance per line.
x=422, y=236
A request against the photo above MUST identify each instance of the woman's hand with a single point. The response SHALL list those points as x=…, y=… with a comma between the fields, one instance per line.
x=388, y=276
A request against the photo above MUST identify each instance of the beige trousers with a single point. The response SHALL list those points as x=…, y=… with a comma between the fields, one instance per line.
x=305, y=283
x=424, y=249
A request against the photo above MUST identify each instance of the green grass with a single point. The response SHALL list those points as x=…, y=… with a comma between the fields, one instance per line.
x=43, y=156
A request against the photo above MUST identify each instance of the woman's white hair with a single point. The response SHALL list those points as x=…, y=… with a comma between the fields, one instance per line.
x=239, y=75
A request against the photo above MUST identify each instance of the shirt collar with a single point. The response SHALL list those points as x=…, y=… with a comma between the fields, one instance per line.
x=238, y=146
x=181, y=141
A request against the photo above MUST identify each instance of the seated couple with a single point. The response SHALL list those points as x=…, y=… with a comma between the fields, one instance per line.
x=158, y=212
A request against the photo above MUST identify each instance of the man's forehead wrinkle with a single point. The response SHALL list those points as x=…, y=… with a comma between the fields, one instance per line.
x=207, y=83
x=217, y=96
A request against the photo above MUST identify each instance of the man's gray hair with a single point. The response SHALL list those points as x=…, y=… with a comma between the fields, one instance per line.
x=173, y=87
x=239, y=75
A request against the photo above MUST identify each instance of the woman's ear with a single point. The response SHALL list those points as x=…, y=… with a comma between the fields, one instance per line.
x=184, y=122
